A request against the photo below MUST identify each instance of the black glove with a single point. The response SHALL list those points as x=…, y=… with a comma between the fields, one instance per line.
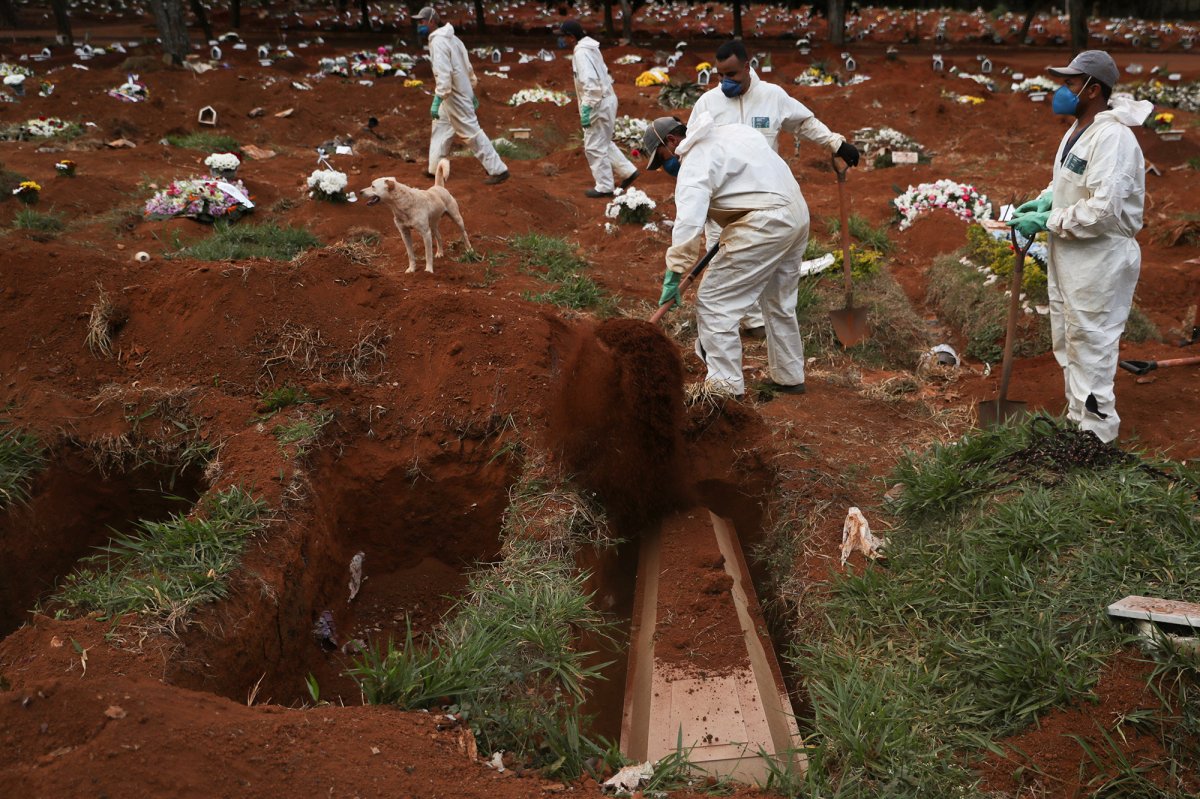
x=848, y=153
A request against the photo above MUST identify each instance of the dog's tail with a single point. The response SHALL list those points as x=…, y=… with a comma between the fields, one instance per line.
x=443, y=172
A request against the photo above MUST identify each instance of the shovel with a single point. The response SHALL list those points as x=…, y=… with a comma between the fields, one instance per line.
x=1142, y=367
x=687, y=281
x=850, y=323
x=997, y=411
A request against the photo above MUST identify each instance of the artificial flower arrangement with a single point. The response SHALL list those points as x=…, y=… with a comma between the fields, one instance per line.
x=413, y=83
x=657, y=76
x=1161, y=121
x=703, y=65
x=223, y=165
x=1184, y=96
x=202, y=199
x=45, y=127
x=879, y=143
x=1038, y=83
x=959, y=198
x=131, y=91
x=380, y=62
x=16, y=82
x=539, y=95
x=814, y=76
x=66, y=168
x=631, y=206
x=963, y=99
x=27, y=192
x=628, y=131
x=329, y=185
x=626, y=60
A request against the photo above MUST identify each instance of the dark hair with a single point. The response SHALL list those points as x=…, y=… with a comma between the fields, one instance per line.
x=679, y=130
x=735, y=48
x=1105, y=90
x=572, y=28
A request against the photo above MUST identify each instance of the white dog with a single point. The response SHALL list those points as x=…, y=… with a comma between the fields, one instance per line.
x=420, y=210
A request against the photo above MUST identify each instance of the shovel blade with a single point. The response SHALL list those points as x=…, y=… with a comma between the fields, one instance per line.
x=850, y=325
x=993, y=413
x=1138, y=367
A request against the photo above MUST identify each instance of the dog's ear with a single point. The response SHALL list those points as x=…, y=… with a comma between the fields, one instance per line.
x=391, y=184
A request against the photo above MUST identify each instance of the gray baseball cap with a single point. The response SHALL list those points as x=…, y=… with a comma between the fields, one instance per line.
x=656, y=136
x=425, y=13
x=1094, y=63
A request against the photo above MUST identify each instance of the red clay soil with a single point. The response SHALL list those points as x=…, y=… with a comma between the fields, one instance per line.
x=415, y=467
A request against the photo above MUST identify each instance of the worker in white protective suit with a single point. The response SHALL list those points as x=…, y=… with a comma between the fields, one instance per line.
x=744, y=97
x=1092, y=210
x=728, y=173
x=454, y=100
x=597, y=114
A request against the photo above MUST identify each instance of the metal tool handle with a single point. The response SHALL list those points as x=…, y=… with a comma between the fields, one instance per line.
x=692, y=274
x=1014, y=306
x=841, y=168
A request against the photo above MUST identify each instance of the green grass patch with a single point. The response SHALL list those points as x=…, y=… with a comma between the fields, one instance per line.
x=507, y=657
x=238, y=242
x=298, y=436
x=1008, y=546
x=165, y=569
x=861, y=230
x=46, y=224
x=519, y=150
x=9, y=180
x=21, y=457
x=207, y=142
x=282, y=397
x=557, y=261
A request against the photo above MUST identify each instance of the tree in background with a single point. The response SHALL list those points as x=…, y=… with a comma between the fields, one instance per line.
x=171, y=20
x=61, y=21
x=837, y=22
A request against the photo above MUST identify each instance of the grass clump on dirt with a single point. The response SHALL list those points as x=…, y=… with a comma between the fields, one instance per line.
x=868, y=236
x=299, y=435
x=556, y=261
x=47, y=225
x=167, y=568
x=237, y=242
x=282, y=397
x=507, y=656
x=201, y=140
x=21, y=457
x=1009, y=545
x=520, y=150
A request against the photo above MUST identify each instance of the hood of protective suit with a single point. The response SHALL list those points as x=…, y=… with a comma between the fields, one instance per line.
x=1126, y=110
x=588, y=43
x=445, y=30
x=698, y=127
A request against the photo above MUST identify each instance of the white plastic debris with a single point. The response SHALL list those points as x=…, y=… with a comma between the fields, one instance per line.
x=141, y=257
x=815, y=265
x=356, y=575
x=630, y=778
x=497, y=761
x=856, y=535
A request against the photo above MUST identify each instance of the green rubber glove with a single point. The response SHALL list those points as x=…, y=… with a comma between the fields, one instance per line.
x=475, y=102
x=436, y=107
x=670, y=292
x=1031, y=224
x=1037, y=205
x=585, y=116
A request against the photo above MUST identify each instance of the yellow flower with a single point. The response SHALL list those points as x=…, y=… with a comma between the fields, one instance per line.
x=703, y=65
x=413, y=83
x=29, y=185
x=1165, y=118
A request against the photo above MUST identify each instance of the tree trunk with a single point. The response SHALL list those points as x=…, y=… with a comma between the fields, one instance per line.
x=1028, y=22
x=480, y=21
x=62, y=22
x=737, y=19
x=627, y=20
x=365, y=7
x=171, y=21
x=837, y=22
x=1077, y=9
x=202, y=19
x=608, y=20
x=8, y=14
x=235, y=13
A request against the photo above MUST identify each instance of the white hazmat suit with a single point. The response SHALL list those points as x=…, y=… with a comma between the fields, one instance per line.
x=1099, y=190
x=768, y=109
x=454, y=82
x=728, y=173
x=594, y=88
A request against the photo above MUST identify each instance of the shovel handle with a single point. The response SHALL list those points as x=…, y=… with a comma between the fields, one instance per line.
x=692, y=274
x=1014, y=306
x=1142, y=367
x=841, y=168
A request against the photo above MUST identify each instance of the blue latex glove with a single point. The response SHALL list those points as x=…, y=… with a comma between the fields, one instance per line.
x=670, y=292
x=436, y=107
x=1037, y=205
x=1031, y=224
x=475, y=102
x=585, y=116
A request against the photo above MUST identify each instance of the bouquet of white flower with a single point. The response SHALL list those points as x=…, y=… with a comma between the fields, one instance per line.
x=328, y=184
x=1037, y=83
x=539, y=95
x=628, y=132
x=632, y=207
x=960, y=198
x=223, y=165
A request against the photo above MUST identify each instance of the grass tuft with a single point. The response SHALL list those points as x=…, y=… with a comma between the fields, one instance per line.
x=862, y=231
x=238, y=242
x=21, y=457
x=166, y=569
x=45, y=225
x=298, y=436
x=207, y=142
x=555, y=260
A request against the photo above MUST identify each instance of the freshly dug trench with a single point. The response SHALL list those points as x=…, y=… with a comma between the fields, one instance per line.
x=74, y=509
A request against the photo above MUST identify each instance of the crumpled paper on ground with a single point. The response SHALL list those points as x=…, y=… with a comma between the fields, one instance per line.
x=629, y=778
x=856, y=535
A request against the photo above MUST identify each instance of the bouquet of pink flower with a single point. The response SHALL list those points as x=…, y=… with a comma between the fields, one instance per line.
x=205, y=200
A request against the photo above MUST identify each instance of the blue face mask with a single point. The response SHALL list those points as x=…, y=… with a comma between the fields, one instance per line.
x=671, y=166
x=1066, y=102
x=422, y=30
x=730, y=87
